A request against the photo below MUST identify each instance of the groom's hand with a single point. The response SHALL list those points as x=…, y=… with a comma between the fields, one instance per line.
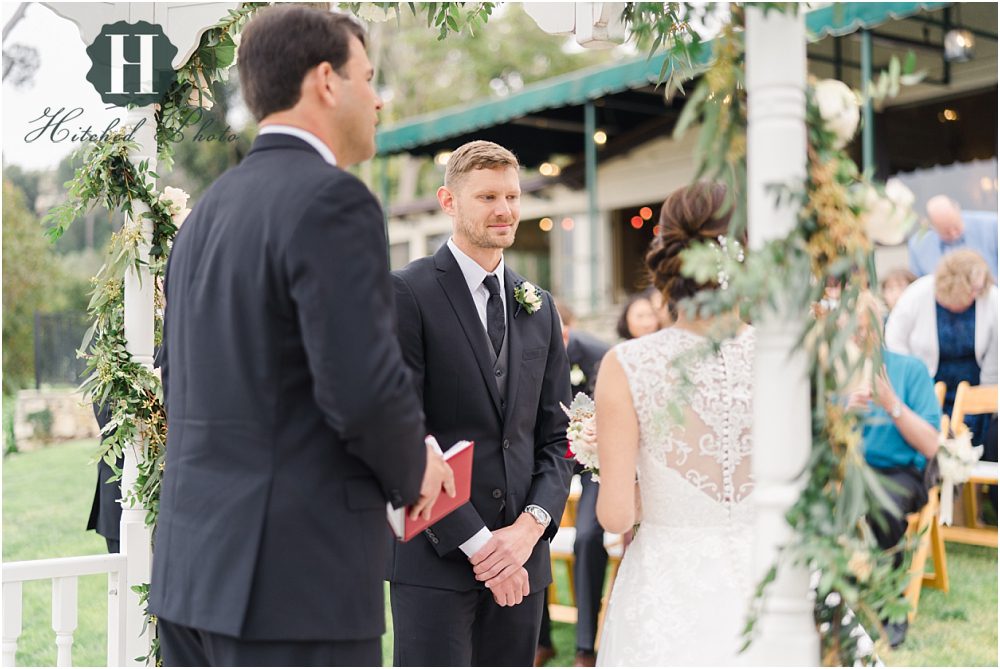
x=506, y=551
x=513, y=590
x=437, y=475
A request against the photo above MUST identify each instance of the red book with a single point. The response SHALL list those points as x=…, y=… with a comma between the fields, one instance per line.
x=459, y=457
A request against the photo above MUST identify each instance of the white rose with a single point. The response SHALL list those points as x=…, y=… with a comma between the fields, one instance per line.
x=900, y=195
x=179, y=217
x=177, y=198
x=576, y=376
x=887, y=218
x=839, y=108
x=531, y=296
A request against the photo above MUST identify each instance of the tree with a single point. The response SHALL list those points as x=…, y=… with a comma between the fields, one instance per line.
x=29, y=274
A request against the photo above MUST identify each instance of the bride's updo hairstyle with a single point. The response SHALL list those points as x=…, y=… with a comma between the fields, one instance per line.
x=689, y=215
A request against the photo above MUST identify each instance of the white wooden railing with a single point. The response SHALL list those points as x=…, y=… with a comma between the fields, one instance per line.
x=64, y=574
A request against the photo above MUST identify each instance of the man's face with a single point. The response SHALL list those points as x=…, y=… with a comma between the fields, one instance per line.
x=356, y=112
x=485, y=206
x=946, y=220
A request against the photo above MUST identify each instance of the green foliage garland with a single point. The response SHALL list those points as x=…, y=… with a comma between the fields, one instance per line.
x=182, y=103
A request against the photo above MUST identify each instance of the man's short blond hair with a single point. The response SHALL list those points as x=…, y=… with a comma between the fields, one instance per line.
x=477, y=155
x=961, y=275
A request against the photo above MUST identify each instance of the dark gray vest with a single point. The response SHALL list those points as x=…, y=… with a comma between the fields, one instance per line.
x=500, y=362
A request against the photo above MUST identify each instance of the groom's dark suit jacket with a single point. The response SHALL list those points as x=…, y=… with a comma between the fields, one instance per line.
x=291, y=412
x=520, y=439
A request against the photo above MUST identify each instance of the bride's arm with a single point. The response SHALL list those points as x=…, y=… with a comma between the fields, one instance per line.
x=617, y=446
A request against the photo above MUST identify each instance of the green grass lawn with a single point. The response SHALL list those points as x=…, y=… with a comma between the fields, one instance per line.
x=46, y=501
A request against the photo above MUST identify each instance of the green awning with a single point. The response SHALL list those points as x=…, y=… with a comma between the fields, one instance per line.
x=571, y=89
x=842, y=18
x=575, y=88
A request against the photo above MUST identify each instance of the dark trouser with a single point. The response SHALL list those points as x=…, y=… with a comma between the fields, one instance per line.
x=545, y=632
x=911, y=496
x=114, y=545
x=446, y=628
x=182, y=646
x=591, y=565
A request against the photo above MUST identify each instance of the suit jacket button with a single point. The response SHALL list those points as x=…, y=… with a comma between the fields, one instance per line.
x=506, y=443
x=497, y=493
x=499, y=372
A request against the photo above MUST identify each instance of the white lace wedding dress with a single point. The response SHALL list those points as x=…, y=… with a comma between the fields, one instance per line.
x=682, y=592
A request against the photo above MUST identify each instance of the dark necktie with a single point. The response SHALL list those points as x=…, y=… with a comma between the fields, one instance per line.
x=494, y=312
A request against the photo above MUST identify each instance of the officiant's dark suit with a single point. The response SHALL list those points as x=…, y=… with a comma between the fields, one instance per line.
x=291, y=413
x=503, y=394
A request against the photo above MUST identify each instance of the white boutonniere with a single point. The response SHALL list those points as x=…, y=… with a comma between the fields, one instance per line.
x=528, y=298
x=576, y=376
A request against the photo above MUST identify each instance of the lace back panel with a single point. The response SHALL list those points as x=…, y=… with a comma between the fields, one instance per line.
x=694, y=405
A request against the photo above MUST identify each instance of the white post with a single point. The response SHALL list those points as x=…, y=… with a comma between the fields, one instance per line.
x=64, y=617
x=135, y=535
x=117, y=587
x=11, y=621
x=776, y=154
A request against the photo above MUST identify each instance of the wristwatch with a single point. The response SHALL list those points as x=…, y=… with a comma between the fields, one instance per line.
x=540, y=515
x=897, y=409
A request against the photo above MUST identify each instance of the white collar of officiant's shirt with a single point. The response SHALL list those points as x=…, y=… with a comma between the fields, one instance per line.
x=473, y=272
x=306, y=136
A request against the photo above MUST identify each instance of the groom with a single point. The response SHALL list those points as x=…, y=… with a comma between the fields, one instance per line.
x=292, y=419
x=489, y=365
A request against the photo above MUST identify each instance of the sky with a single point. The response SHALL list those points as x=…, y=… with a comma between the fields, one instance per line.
x=59, y=83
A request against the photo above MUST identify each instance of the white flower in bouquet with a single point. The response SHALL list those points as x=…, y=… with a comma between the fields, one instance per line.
x=176, y=201
x=839, y=109
x=887, y=218
x=582, y=432
x=956, y=458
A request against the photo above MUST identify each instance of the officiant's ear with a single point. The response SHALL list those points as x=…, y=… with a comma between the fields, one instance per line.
x=323, y=80
x=447, y=200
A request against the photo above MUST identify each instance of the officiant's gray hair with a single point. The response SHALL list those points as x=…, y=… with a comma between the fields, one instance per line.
x=281, y=44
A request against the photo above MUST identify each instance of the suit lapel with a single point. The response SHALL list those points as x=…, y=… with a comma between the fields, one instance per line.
x=515, y=340
x=457, y=291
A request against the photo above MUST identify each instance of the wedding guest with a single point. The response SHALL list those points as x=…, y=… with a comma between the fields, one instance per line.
x=591, y=559
x=900, y=433
x=893, y=285
x=951, y=229
x=106, y=511
x=948, y=320
x=666, y=313
x=638, y=317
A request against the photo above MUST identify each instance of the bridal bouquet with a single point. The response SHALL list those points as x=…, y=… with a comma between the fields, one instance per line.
x=582, y=433
x=956, y=458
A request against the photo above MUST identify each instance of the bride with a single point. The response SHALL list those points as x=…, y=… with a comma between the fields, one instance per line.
x=673, y=432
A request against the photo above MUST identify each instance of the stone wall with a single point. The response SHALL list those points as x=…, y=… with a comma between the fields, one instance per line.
x=46, y=416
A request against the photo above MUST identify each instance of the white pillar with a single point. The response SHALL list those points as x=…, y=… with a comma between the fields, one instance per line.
x=135, y=535
x=776, y=154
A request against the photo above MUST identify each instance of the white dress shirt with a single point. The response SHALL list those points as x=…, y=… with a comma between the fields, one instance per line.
x=474, y=276
x=306, y=136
